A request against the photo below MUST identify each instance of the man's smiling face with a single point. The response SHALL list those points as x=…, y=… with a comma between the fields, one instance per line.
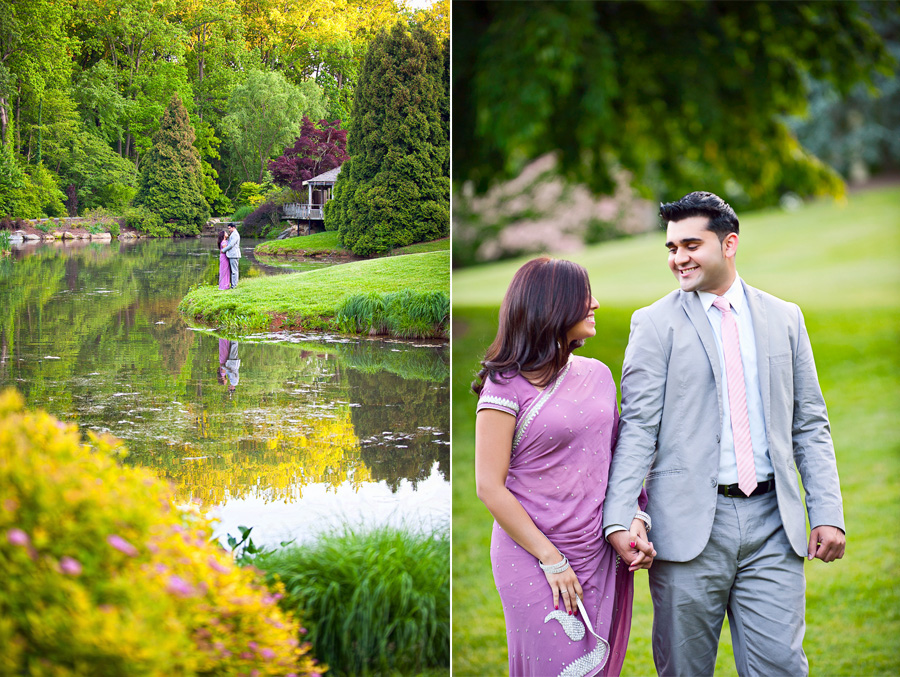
x=699, y=261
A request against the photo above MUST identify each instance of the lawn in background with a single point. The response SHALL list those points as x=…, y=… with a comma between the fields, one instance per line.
x=841, y=263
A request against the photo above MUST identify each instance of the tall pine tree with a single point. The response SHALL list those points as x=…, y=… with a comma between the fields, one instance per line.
x=395, y=188
x=171, y=182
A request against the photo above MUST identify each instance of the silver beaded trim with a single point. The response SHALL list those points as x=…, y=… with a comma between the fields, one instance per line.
x=589, y=662
x=501, y=401
x=571, y=625
x=535, y=407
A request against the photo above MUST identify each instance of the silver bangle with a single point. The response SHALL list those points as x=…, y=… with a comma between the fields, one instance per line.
x=557, y=568
x=644, y=517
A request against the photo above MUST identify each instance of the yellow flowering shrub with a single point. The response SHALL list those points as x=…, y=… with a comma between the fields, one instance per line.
x=102, y=575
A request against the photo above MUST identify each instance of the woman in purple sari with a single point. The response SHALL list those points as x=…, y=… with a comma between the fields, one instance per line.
x=224, y=266
x=544, y=436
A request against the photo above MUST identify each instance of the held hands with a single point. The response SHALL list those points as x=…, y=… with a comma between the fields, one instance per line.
x=826, y=543
x=633, y=547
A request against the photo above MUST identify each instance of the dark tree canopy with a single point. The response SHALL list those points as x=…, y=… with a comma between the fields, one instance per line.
x=686, y=95
x=171, y=182
x=395, y=188
x=315, y=151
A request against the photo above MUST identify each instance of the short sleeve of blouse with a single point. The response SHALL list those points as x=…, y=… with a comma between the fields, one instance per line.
x=501, y=396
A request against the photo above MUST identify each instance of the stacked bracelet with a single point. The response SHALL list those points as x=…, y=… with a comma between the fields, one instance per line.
x=557, y=568
x=644, y=517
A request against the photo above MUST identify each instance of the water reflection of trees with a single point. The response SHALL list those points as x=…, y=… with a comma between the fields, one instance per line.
x=403, y=426
x=93, y=335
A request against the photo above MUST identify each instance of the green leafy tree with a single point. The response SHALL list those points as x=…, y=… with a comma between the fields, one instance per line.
x=171, y=182
x=12, y=179
x=686, y=95
x=395, y=188
x=264, y=116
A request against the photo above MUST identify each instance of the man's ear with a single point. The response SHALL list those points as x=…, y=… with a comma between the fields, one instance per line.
x=730, y=245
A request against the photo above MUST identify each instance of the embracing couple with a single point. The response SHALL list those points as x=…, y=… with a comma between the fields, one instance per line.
x=721, y=407
x=229, y=257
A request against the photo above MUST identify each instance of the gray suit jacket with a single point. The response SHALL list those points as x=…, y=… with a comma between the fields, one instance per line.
x=233, y=247
x=671, y=423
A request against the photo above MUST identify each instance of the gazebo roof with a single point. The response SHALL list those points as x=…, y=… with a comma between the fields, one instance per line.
x=328, y=177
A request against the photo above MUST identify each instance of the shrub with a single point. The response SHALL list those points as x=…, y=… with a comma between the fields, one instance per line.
x=249, y=194
x=374, y=602
x=241, y=213
x=113, y=228
x=407, y=314
x=5, y=245
x=141, y=218
x=262, y=218
x=103, y=576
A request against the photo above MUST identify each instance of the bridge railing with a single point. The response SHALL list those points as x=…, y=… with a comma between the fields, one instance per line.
x=296, y=210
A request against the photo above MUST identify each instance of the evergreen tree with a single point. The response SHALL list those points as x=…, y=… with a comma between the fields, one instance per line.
x=171, y=182
x=395, y=188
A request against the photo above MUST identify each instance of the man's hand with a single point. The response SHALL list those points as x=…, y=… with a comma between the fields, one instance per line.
x=827, y=543
x=635, y=551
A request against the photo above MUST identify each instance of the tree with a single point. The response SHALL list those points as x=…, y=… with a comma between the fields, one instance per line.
x=395, y=189
x=171, y=183
x=685, y=95
x=315, y=151
x=265, y=113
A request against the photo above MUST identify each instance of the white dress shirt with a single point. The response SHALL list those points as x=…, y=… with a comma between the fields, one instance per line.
x=740, y=310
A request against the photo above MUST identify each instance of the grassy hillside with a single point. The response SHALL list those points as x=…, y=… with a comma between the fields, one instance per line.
x=840, y=263
x=309, y=300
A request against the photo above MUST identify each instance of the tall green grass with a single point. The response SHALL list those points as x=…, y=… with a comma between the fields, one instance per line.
x=374, y=602
x=242, y=213
x=406, y=314
x=835, y=261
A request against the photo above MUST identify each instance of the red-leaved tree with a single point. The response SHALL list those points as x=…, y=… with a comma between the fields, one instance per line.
x=315, y=151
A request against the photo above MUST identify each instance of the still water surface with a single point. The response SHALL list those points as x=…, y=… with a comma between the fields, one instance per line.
x=287, y=433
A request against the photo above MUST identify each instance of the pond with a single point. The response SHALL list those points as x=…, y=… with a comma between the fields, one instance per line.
x=287, y=433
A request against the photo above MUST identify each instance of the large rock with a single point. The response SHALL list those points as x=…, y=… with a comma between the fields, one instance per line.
x=68, y=235
x=101, y=236
x=17, y=237
x=31, y=237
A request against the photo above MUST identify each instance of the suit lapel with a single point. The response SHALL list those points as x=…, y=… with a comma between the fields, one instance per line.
x=761, y=335
x=694, y=309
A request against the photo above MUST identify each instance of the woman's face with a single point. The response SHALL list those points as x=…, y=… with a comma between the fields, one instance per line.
x=586, y=328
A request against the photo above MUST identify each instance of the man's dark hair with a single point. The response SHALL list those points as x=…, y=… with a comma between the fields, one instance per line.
x=722, y=219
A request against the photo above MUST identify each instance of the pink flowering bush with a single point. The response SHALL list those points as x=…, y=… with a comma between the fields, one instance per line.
x=102, y=575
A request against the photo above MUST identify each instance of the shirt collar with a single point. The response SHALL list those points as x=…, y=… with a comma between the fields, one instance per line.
x=735, y=296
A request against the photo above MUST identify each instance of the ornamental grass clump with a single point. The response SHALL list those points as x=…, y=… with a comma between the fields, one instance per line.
x=374, y=602
x=407, y=314
x=103, y=575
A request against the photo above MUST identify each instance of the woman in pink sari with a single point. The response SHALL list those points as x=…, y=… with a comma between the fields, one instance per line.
x=544, y=436
x=224, y=266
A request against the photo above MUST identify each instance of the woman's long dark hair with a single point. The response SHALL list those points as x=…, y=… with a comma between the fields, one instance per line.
x=220, y=237
x=546, y=298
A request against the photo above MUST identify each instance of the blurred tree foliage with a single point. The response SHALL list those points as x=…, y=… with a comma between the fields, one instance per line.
x=395, y=188
x=683, y=94
x=859, y=134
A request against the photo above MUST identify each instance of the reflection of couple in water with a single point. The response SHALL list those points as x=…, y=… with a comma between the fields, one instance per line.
x=229, y=254
x=229, y=364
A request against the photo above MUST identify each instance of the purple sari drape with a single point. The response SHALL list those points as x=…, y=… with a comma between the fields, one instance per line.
x=224, y=272
x=558, y=470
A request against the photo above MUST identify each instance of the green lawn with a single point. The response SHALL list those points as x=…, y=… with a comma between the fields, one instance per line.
x=308, y=300
x=840, y=263
x=328, y=244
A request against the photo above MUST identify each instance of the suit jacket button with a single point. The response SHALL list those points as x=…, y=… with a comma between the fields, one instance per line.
x=717, y=438
x=713, y=481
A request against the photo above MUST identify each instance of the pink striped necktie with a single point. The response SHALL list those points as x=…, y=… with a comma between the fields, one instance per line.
x=737, y=398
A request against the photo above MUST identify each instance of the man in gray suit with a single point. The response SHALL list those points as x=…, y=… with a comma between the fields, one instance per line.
x=232, y=251
x=721, y=407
